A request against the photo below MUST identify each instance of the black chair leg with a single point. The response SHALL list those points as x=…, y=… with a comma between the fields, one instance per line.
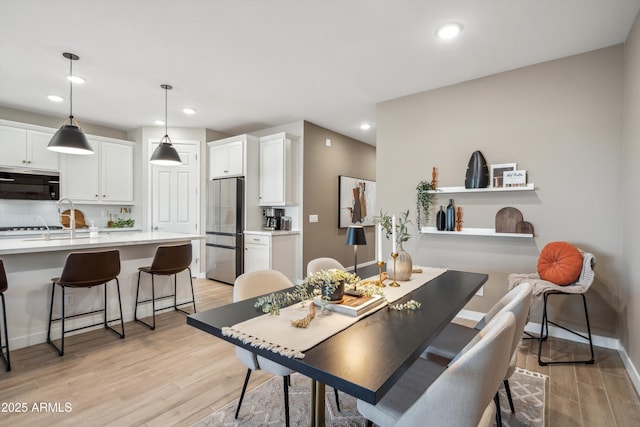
x=545, y=323
x=369, y=423
x=244, y=388
x=286, y=400
x=60, y=349
x=151, y=326
x=7, y=360
x=508, y=390
x=337, y=400
x=193, y=295
x=496, y=399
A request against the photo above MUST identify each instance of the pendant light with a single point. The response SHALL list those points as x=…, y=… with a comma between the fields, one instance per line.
x=165, y=154
x=69, y=138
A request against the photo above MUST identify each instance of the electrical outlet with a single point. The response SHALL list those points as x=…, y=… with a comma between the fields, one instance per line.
x=68, y=299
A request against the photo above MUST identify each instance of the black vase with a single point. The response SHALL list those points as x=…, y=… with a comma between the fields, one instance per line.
x=450, y=220
x=440, y=219
x=477, y=172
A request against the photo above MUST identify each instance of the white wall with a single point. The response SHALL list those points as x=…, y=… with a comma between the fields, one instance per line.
x=630, y=206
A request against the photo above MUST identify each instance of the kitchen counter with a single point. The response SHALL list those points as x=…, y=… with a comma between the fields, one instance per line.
x=272, y=232
x=24, y=244
x=30, y=263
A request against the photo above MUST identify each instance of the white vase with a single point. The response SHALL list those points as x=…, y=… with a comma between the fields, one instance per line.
x=404, y=265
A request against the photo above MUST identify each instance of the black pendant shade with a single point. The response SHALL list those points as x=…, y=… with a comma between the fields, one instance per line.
x=69, y=138
x=165, y=154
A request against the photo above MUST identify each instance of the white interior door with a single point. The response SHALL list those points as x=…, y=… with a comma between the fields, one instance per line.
x=175, y=192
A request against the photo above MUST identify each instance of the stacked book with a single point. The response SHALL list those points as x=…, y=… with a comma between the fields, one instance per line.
x=353, y=305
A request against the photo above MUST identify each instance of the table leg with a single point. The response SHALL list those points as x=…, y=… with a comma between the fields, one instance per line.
x=319, y=404
x=312, y=404
x=316, y=404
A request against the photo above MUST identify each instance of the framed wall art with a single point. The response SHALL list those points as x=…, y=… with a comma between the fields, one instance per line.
x=356, y=201
x=497, y=174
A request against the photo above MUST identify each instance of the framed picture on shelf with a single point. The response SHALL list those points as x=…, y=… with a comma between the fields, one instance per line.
x=517, y=178
x=497, y=173
x=356, y=200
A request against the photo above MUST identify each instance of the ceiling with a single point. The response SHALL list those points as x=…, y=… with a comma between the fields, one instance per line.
x=247, y=65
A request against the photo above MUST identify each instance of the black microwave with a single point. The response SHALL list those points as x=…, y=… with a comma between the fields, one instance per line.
x=29, y=185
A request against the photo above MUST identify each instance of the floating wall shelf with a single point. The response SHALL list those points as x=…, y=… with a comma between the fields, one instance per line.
x=487, y=232
x=449, y=190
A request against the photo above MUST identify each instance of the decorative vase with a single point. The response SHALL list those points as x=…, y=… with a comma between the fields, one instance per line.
x=477, y=172
x=450, y=220
x=440, y=219
x=334, y=294
x=404, y=265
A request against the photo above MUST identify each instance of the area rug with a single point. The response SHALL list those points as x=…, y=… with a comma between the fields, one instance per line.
x=264, y=405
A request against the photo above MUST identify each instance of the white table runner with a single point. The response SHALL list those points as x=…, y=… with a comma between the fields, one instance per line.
x=277, y=334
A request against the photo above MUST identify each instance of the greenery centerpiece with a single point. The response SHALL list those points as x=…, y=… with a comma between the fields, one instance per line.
x=328, y=284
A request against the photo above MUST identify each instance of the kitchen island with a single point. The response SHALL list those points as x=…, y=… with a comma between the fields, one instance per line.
x=31, y=262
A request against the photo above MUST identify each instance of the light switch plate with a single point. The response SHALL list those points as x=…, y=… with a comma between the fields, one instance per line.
x=313, y=218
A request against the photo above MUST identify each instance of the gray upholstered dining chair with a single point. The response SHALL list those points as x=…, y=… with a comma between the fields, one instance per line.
x=325, y=263
x=460, y=394
x=454, y=337
x=314, y=266
x=251, y=285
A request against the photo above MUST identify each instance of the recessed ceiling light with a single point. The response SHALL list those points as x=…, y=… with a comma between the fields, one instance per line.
x=365, y=126
x=55, y=98
x=76, y=79
x=189, y=110
x=449, y=30
x=159, y=122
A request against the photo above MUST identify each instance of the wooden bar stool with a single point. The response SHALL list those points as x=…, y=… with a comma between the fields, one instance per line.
x=167, y=261
x=3, y=287
x=85, y=270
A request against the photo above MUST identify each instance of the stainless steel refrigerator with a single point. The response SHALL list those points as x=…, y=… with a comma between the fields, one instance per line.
x=225, y=217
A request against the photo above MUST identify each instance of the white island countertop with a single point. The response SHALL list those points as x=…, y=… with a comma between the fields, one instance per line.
x=25, y=245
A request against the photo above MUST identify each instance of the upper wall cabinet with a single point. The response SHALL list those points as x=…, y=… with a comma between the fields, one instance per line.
x=26, y=148
x=104, y=177
x=278, y=170
x=226, y=157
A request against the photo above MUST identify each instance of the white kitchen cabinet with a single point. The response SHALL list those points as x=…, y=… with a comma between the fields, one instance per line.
x=257, y=252
x=103, y=177
x=26, y=148
x=271, y=251
x=226, y=159
x=278, y=170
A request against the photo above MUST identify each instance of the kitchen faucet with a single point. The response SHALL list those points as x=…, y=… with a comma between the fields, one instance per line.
x=71, y=215
x=47, y=235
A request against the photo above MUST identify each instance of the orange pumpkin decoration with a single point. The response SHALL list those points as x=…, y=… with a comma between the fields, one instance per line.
x=560, y=263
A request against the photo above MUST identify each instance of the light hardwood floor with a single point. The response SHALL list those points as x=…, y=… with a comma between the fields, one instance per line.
x=177, y=375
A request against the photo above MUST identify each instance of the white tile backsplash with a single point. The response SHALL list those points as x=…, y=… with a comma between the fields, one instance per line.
x=22, y=213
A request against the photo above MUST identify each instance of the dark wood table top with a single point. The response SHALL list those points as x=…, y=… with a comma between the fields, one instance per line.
x=367, y=358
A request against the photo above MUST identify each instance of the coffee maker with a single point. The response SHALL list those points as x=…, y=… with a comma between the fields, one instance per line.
x=272, y=218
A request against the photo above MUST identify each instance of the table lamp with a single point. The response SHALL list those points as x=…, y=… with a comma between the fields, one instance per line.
x=355, y=237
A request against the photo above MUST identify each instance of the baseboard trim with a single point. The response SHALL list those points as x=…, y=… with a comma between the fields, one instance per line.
x=598, y=340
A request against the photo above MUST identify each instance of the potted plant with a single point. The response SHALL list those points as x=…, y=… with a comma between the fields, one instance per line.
x=403, y=263
x=424, y=200
x=328, y=284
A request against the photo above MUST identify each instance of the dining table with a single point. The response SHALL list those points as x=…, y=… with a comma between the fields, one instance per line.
x=367, y=358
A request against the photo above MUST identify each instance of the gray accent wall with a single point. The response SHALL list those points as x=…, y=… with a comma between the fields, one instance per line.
x=562, y=122
x=322, y=166
x=630, y=206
